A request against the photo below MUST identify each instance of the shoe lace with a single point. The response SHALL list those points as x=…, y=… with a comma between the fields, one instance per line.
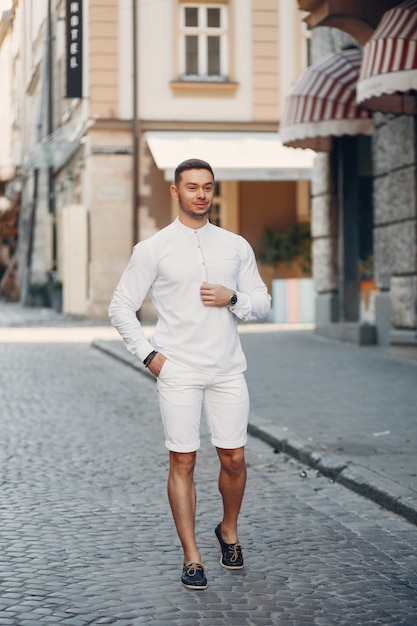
x=235, y=551
x=193, y=568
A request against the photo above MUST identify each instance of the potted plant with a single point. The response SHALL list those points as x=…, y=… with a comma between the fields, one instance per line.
x=367, y=289
x=292, y=244
x=38, y=295
x=55, y=294
x=292, y=298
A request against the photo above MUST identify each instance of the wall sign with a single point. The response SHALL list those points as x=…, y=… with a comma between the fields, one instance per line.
x=74, y=22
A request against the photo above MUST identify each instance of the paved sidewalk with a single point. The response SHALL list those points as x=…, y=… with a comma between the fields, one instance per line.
x=87, y=535
x=349, y=412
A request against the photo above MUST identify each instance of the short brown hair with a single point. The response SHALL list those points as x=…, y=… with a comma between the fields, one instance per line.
x=191, y=164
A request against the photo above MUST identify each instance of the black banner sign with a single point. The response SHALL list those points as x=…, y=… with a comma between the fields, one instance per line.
x=74, y=20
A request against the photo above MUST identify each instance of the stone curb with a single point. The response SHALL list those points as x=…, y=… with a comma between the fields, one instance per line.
x=386, y=493
x=362, y=480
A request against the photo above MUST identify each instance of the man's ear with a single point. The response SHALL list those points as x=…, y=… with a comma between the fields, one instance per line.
x=174, y=192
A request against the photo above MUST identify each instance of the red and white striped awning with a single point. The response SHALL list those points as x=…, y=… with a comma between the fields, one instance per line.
x=388, y=77
x=323, y=104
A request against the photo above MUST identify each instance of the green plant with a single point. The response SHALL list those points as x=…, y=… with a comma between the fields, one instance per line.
x=366, y=268
x=38, y=289
x=286, y=246
x=38, y=294
x=55, y=285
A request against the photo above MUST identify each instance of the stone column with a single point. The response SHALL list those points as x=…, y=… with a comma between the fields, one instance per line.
x=395, y=222
x=324, y=234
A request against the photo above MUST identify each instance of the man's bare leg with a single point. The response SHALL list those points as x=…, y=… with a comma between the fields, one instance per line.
x=182, y=498
x=232, y=481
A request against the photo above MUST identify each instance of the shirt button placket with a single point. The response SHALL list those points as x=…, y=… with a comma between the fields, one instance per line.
x=201, y=257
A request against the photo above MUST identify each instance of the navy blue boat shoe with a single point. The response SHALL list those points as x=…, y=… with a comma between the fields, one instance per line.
x=194, y=576
x=231, y=557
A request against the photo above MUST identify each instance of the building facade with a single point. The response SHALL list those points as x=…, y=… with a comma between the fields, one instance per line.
x=364, y=202
x=112, y=94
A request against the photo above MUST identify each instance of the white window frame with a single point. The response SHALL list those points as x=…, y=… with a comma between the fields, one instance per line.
x=202, y=31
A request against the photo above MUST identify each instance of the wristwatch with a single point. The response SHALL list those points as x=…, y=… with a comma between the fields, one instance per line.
x=233, y=299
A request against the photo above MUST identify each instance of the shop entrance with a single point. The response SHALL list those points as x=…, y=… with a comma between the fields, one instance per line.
x=353, y=176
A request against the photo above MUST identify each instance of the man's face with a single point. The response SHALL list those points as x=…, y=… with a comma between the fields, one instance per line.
x=195, y=193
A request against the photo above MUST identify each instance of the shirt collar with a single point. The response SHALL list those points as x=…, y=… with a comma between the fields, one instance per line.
x=191, y=230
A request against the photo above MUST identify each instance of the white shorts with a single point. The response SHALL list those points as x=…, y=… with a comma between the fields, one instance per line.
x=182, y=392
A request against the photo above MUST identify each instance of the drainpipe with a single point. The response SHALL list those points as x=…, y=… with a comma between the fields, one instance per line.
x=50, y=126
x=26, y=278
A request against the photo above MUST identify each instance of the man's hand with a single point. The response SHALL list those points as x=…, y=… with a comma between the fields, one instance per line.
x=215, y=295
x=156, y=364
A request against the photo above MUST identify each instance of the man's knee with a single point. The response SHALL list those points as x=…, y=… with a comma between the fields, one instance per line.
x=232, y=461
x=182, y=462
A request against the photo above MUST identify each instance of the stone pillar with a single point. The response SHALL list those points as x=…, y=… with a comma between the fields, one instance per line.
x=324, y=202
x=324, y=234
x=395, y=220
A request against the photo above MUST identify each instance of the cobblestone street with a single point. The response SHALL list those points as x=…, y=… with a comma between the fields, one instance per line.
x=86, y=533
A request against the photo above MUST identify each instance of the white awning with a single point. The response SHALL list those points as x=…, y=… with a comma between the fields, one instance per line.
x=232, y=155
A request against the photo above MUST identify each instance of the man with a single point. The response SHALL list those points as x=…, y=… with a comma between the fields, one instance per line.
x=201, y=280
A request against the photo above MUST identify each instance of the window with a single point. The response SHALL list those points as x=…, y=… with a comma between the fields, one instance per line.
x=305, y=44
x=203, y=42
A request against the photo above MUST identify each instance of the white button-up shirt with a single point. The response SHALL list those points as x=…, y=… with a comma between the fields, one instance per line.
x=171, y=265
